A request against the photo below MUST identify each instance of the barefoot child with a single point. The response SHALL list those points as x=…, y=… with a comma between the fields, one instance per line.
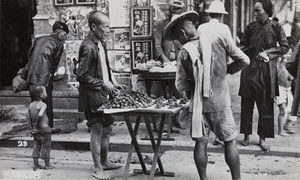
x=39, y=127
x=285, y=97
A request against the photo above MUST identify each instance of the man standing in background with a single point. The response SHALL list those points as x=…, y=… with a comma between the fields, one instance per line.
x=44, y=57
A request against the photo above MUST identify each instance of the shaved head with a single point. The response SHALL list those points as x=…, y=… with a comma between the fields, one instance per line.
x=97, y=18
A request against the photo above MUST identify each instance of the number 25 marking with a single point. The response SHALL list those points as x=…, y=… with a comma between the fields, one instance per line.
x=22, y=144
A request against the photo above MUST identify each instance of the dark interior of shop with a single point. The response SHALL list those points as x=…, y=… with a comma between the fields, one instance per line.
x=16, y=30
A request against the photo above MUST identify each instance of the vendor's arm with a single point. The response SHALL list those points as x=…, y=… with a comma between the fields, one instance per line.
x=115, y=83
x=184, y=71
x=240, y=59
x=86, y=55
x=158, y=37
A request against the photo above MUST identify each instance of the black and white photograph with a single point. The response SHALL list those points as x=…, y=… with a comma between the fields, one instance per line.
x=150, y=89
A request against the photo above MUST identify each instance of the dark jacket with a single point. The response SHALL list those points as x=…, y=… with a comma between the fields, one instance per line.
x=44, y=57
x=89, y=75
x=293, y=66
x=262, y=36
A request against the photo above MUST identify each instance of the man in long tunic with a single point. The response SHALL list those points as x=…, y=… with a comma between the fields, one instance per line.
x=44, y=57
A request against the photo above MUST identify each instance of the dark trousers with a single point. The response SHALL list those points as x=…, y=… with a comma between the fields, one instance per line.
x=266, y=116
x=49, y=103
x=42, y=144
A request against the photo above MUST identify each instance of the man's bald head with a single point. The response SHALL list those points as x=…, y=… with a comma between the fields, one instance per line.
x=97, y=18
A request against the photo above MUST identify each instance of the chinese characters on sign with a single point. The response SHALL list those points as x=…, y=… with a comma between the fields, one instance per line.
x=142, y=51
x=141, y=19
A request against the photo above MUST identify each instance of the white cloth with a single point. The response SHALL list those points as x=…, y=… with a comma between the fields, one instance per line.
x=103, y=62
x=197, y=117
x=287, y=28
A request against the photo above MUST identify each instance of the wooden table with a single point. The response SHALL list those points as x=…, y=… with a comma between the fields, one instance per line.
x=167, y=80
x=146, y=113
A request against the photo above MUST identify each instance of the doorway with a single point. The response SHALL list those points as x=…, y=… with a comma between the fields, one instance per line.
x=16, y=29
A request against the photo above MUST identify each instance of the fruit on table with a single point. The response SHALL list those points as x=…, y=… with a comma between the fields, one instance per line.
x=134, y=100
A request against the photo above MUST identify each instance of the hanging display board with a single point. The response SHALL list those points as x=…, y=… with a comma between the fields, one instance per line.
x=142, y=51
x=141, y=22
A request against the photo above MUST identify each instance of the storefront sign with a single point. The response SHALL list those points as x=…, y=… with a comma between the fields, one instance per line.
x=141, y=22
x=142, y=51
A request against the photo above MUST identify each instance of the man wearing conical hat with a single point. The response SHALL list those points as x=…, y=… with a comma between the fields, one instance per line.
x=201, y=69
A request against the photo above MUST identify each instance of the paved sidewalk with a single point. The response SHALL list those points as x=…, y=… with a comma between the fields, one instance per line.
x=120, y=140
x=17, y=163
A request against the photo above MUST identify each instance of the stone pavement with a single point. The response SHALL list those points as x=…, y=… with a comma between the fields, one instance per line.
x=16, y=163
x=72, y=158
x=120, y=140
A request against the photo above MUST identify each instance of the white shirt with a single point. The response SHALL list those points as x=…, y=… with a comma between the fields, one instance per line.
x=103, y=62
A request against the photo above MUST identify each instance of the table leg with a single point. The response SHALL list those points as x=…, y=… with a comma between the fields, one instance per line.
x=169, y=119
x=148, y=125
x=134, y=144
x=155, y=158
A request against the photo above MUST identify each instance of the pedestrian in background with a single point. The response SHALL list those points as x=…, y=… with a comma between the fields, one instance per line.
x=285, y=98
x=258, y=82
x=43, y=59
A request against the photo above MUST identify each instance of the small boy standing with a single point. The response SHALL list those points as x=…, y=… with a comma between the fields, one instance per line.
x=39, y=127
x=285, y=98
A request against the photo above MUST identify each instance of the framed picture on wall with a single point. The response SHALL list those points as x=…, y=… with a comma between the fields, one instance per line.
x=119, y=61
x=142, y=51
x=121, y=39
x=63, y=2
x=141, y=21
x=85, y=2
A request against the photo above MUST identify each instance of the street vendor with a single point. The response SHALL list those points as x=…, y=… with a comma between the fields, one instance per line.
x=210, y=97
x=166, y=51
x=97, y=84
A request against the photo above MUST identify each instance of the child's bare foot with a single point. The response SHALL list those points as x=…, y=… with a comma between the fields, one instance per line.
x=288, y=130
x=110, y=166
x=101, y=175
x=49, y=167
x=283, y=133
x=38, y=166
